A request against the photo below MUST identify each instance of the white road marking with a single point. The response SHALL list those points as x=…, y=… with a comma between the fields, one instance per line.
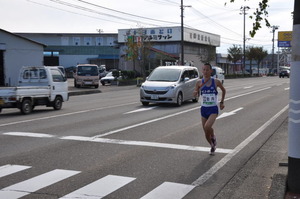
x=226, y=114
x=29, y=186
x=287, y=89
x=247, y=87
x=10, y=169
x=169, y=190
x=141, y=110
x=26, y=134
x=202, y=179
x=142, y=143
x=124, y=142
x=100, y=188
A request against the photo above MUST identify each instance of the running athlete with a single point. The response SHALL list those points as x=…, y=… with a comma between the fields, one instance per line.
x=207, y=87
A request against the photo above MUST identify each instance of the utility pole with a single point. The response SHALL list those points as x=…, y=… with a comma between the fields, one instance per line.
x=243, y=10
x=273, y=31
x=182, y=33
x=294, y=108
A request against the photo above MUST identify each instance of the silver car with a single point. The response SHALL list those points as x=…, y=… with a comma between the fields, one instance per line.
x=170, y=84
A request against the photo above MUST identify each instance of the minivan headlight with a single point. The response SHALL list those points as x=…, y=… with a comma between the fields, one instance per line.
x=172, y=86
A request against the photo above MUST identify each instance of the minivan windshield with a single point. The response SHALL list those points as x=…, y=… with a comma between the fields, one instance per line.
x=165, y=74
x=87, y=70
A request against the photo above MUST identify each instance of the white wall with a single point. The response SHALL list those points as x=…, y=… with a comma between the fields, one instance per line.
x=19, y=52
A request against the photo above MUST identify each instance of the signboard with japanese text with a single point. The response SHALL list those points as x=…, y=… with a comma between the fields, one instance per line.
x=168, y=34
x=284, y=38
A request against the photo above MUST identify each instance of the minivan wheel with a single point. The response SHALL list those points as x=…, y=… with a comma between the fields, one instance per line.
x=179, y=99
x=145, y=103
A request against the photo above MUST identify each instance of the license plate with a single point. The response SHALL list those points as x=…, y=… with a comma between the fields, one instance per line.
x=154, y=97
x=87, y=82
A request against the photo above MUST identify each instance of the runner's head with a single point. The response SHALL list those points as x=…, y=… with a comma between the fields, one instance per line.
x=206, y=70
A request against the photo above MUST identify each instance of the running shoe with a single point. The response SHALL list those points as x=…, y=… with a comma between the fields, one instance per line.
x=212, y=150
x=213, y=145
x=214, y=141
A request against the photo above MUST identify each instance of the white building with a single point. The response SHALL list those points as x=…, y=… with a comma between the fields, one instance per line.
x=15, y=52
x=165, y=46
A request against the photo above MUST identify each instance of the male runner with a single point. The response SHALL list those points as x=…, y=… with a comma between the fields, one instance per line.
x=207, y=87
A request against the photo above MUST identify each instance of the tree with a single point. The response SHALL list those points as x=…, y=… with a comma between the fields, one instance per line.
x=250, y=55
x=234, y=54
x=207, y=54
x=260, y=54
x=257, y=54
x=260, y=14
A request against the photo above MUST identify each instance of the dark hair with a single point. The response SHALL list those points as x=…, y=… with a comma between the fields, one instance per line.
x=208, y=64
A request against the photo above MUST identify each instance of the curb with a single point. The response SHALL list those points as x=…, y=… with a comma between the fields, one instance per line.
x=83, y=92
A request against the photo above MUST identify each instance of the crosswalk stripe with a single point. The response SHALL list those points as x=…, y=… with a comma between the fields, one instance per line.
x=169, y=190
x=10, y=169
x=31, y=185
x=100, y=188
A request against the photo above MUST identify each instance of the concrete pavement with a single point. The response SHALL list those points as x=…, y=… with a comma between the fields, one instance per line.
x=263, y=176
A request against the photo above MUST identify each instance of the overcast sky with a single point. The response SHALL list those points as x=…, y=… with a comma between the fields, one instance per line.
x=90, y=16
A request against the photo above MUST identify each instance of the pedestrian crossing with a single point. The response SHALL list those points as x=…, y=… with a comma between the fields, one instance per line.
x=95, y=190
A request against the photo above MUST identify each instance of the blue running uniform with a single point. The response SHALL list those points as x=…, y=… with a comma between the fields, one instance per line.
x=209, y=101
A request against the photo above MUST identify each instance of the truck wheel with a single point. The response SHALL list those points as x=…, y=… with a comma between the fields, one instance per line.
x=57, y=104
x=0, y=110
x=26, y=107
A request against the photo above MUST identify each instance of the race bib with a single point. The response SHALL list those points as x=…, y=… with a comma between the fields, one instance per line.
x=209, y=99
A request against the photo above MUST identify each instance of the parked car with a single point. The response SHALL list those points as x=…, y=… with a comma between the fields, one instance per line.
x=102, y=71
x=218, y=73
x=107, y=79
x=69, y=71
x=284, y=73
x=170, y=84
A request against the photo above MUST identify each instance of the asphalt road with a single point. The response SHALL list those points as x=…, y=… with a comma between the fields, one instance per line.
x=109, y=145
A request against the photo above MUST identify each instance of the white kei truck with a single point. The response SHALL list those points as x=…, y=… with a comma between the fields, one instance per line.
x=37, y=85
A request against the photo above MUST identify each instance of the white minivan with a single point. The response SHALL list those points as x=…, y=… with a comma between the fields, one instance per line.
x=218, y=73
x=170, y=84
